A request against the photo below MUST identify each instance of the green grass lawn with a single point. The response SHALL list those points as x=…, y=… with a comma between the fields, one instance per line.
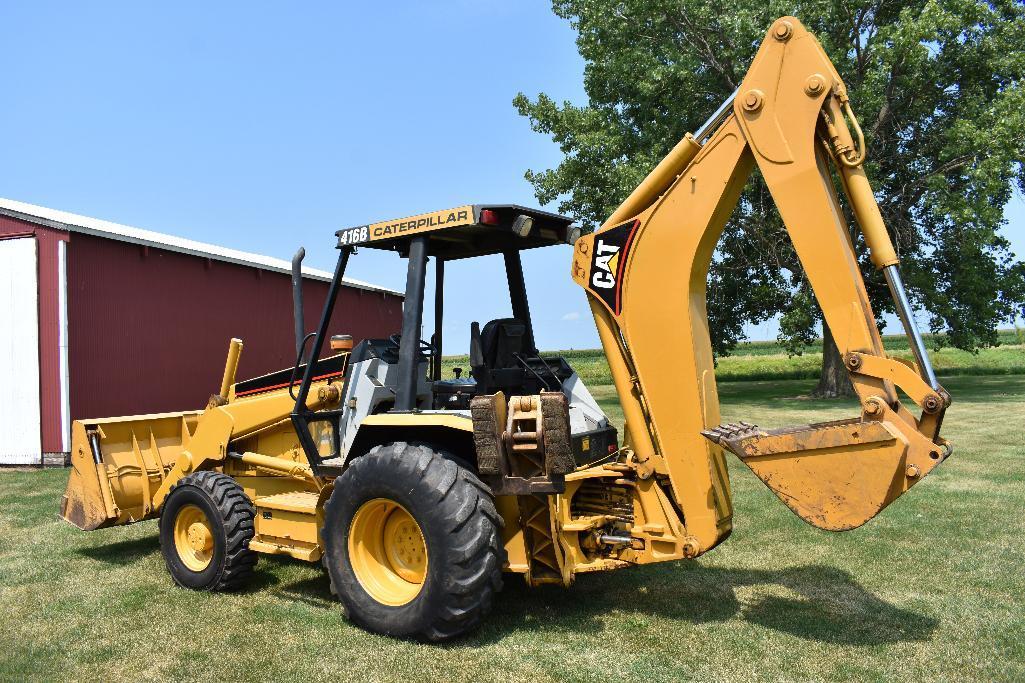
x=933, y=589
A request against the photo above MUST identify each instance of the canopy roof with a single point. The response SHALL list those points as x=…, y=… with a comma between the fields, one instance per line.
x=465, y=231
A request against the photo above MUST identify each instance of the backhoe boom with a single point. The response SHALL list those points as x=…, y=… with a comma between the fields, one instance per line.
x=645, y=273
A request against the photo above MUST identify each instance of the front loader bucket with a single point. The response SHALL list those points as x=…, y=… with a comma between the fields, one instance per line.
x=117, y=464
x=86, y=502
x=833, y=475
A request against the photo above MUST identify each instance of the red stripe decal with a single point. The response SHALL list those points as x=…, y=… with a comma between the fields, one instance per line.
x=622, y=264
x=261, y=390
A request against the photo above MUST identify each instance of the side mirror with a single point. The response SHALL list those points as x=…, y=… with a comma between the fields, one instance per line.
x=458, y=372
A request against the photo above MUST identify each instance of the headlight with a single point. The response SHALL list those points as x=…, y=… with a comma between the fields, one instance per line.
x=523, y=225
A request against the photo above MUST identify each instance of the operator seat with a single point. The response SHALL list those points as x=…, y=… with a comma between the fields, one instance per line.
x=493, y=351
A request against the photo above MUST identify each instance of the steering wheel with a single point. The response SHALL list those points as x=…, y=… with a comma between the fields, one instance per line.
x=426, y=347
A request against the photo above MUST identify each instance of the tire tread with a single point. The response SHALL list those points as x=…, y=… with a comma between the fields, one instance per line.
x=237, y=515
x=467, y=511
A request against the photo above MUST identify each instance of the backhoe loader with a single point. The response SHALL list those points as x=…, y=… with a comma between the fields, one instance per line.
x=417, y=492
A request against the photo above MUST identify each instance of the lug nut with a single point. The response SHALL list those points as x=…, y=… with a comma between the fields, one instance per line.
x=853, y=361
x=753, y=100
x=931, y=403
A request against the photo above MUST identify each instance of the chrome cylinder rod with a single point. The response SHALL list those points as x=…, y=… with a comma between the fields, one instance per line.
x=609, y=539
x=716, y=119
x=900, y=298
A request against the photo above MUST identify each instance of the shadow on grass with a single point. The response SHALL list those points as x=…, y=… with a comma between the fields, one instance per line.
x=829, y=606
x=262, y=579
x=826, y=604
x=315, y=590
x=123, y=552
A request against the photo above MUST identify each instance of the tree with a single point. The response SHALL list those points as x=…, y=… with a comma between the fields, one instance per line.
x=938, y=86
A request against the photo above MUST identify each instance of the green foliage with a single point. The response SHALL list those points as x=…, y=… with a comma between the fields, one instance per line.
x=937, y=85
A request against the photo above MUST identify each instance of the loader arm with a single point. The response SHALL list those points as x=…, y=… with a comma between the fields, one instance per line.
x=645, y=273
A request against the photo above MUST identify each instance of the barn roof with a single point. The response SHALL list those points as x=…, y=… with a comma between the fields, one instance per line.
x=63, y=220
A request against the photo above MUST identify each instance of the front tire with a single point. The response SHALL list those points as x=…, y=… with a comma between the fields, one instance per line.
x=412, y=543
x=205, y=527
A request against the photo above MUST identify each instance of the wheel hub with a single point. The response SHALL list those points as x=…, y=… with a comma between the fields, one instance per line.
x=388, y=552
x=200, y=538
x=193, y=538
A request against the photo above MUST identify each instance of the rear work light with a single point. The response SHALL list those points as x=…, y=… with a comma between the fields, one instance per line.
x=489, y=217
x=523, y=225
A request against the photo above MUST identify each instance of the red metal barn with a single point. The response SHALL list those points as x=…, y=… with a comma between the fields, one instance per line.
x=99, y=319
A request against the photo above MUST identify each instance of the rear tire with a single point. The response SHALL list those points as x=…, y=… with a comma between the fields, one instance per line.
x=205, y=527
x=432, y=586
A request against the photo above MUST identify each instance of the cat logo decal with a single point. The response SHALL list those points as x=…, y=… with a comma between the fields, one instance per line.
x=611, y=249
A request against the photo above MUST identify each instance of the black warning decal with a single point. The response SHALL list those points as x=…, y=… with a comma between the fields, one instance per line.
x=611, y=249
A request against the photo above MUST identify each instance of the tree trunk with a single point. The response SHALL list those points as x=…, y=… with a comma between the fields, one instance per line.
x=834, y=381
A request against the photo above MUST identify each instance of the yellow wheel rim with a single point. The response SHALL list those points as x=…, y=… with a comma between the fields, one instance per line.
x=387, y=552
x=193, y=538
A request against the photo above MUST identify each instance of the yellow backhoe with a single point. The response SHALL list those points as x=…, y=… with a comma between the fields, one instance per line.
x=417, y=492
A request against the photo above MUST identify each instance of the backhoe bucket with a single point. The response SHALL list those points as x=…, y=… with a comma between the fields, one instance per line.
x=833, y=475
x=117, y=464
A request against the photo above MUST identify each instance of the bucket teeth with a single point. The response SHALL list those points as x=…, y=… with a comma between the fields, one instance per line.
x=725, y=434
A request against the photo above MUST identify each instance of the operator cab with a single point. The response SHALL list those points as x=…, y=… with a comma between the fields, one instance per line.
x=403, y=374
x=503, y=354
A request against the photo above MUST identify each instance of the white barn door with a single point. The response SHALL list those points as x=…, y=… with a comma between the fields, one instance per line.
x=19, y=353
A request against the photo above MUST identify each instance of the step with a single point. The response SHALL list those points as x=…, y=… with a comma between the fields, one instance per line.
x=332, y=467
x=286, y=524
x=292, y=501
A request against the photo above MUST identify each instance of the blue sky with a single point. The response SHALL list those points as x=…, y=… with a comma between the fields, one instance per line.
x=263, y=127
